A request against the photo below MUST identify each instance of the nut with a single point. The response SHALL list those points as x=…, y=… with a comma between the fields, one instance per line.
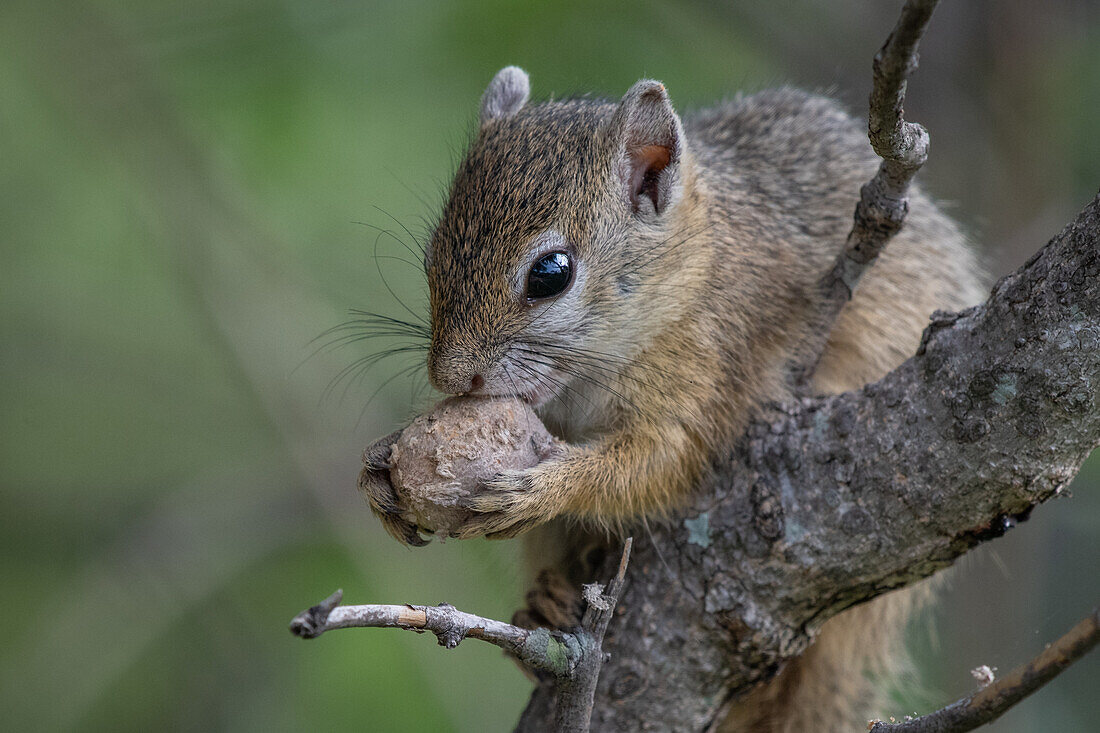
x=443, y=456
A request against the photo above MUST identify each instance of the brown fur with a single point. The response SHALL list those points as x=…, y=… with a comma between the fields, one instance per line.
x=691, y=297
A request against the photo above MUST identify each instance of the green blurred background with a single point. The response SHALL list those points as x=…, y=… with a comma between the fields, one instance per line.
x=190, y=193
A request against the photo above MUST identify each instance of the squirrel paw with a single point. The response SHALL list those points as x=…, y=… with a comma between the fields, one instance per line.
x=507, y=505
x=375, y=486
x=552, y=603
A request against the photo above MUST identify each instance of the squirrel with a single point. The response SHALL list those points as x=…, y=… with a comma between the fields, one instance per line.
x=645, y=281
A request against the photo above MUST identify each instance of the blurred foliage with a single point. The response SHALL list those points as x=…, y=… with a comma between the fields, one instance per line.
x=191, y=193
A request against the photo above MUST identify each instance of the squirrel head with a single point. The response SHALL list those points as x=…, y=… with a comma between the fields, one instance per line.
x=552, y=258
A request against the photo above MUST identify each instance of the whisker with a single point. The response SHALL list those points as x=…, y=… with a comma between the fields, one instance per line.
x=356, y=331
x=533, y=357
x=402, y=373
x=358, y=368
x=417, y=255
x=594, y=360
x=382, y=276
x=562, y=388
x=515, y=390
x=605, y=374
x=418, y=194
x=411, y=236
x=415, y=265
x=421, y=327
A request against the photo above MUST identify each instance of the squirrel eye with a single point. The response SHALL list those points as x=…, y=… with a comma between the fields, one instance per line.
x=551, y=275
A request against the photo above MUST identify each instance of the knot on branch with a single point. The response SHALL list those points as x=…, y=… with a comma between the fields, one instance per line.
x=883, y=206
x=446, y=625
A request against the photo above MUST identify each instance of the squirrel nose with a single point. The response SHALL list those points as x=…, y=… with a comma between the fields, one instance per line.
x=457, y=384
x=452, y=374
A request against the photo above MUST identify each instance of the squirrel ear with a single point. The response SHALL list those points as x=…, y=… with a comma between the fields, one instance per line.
x=505, y=95
x=651, y=143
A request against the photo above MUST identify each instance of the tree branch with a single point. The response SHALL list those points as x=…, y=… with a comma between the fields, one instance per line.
x=539, y=649
x=571, y=659
x=884, y=200
x=992, y=701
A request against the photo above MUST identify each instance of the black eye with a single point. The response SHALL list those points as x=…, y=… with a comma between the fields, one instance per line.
x=550, y=275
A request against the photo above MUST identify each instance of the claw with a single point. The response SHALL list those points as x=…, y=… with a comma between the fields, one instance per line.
x=403, y=531
x=551, y=603
x=377, y=454
x=503, y=507
x=376, y=488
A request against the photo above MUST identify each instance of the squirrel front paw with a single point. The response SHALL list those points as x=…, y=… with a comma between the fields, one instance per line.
x=377, y=489
x=509, y=504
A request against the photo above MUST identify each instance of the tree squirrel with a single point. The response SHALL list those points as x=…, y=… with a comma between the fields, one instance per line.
x=645, y=282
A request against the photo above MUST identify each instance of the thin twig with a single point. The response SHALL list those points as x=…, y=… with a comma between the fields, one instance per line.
x=541, y=649
x=991, y=701
x=884, y=200
x=577, y=694
x=572, y=658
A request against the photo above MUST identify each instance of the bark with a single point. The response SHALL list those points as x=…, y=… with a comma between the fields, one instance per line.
x=831, y=501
